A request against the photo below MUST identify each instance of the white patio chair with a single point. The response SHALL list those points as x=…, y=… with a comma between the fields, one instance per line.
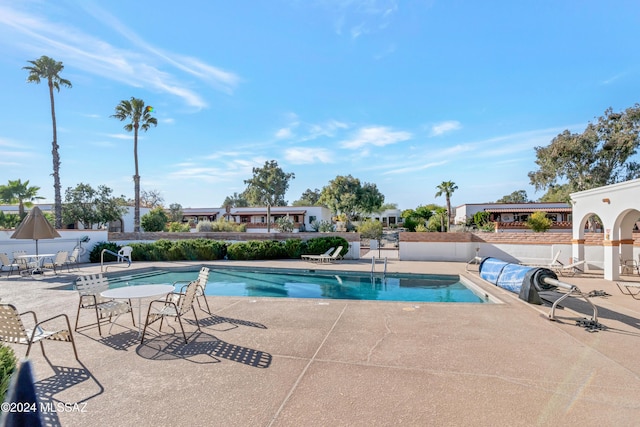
x=13, y=330
x=74, y=259
x=60, y=260
x=203, y=278
x=7, y=265
x=125, y=252
x=90, y=287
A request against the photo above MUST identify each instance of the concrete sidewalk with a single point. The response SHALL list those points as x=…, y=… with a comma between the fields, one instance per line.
x=294, y=362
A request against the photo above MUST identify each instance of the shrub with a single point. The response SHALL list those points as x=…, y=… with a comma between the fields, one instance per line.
x=421, y=228
x=94, y=255
x=223, y=225
x=410, y=224
x=178, y=227
x=325, y=226
x=155, y=220
x=8, y=363
x=370, y=229
x=538, y=222
x=179, y=250
x=319, y=245
x=284, y=224
x=257, y=249
x=204, y=227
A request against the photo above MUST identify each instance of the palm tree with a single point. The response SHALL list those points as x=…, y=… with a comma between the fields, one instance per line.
x=50, y=69
x=447, y=188
x=140, y=117
x=19, y=192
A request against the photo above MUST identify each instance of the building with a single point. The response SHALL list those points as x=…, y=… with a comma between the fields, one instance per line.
x=513, y=216
x=255, y=218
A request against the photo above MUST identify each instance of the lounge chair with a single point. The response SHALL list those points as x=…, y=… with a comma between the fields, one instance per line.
x=90, y=287
x=159, y=309
x=555, y=262
x=316, y=257
x=60, y=260
x=569, y=269
x=629, y=286
x=203, y=278
x=337, y=254
x=13, y=330
x=629, y=266
x=7, y=265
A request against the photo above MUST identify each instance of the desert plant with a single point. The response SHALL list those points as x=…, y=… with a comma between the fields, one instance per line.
x=325, y=226
x=370, y=229
x=421, y=228
x=177, y=227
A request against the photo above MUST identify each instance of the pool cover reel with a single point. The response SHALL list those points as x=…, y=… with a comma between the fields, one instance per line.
x=526, y=281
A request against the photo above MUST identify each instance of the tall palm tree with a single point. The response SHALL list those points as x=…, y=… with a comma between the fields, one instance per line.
x=50, y=69
x=447, y=188
x=19, y=192
x=135, y=110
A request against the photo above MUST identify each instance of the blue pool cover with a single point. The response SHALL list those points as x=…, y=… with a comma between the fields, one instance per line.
x=521, y=279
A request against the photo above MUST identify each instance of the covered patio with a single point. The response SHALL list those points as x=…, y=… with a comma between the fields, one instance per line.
x=618, y=207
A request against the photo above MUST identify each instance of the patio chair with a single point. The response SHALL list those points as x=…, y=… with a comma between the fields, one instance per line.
x=203, y=278
x=159, y=309
x=90, y=287
x=74, y=259
x=13, y=330
x=25, y=265
x=7, y=265
x=555, y=262
x=316, y=257
x=125, y=253
x=60, y=260
x=629, y=266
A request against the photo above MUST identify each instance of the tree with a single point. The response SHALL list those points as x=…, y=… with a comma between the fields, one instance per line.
x=519, y=196
x=151, y=199
x=155, y=220
x=235, y=201
x=539, y=222
x=175, y=212
x=50, y=69
x=309, y=198
x=268, y=185
x=596, y=157
x=447, y=188
x=135, y=110
x=437, y=220
x=18, y=192
x=345, y=195
x=91, y=207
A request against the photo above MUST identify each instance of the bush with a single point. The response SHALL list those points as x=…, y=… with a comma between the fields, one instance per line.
x=421, y=228
x=94, y=255
x=8, y=363
x=257, y=249
x=319, y=245
x=178, y=227
x=180, y=250
x=204, y=227
x=410, y=224
x=155, y=220
x=371, y=229
x=284, y=224
x=538, y=222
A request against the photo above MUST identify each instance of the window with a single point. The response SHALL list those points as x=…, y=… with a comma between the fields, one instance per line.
x=312, y=218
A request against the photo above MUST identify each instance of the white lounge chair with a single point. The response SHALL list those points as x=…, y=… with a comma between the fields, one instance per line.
x=555, y=262
x=314, y=257
x=569, y=269
x=337, y=254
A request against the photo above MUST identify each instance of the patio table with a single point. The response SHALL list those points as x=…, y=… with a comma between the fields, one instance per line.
x=36, y=260
x=138, y=292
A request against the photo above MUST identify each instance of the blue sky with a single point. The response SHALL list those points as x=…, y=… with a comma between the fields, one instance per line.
x=403, y=94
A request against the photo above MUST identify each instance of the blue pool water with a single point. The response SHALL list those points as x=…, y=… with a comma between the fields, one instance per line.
x=318, y=284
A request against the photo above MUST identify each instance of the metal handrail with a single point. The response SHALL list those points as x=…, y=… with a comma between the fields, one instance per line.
x=117, y=255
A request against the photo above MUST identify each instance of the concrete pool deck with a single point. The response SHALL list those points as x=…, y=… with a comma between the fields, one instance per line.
x=294, y=362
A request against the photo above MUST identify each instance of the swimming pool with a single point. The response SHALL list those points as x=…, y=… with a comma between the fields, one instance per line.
x=324, y=284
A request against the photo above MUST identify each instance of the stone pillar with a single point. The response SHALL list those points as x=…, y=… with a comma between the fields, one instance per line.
x=611, y=259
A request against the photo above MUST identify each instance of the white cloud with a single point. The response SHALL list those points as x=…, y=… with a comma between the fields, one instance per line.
x=306, y=155
x=444, y=127
x=284, y=133
x=139, y=67
x=378, y=136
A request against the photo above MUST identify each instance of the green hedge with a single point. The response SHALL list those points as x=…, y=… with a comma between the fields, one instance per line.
x=209, y=250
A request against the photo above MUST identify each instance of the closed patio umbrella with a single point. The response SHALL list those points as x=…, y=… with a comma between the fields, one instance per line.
x=36, y=227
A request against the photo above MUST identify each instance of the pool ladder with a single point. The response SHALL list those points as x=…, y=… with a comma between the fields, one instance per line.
x=373, y=267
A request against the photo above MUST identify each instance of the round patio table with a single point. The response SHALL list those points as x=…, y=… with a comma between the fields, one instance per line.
x=138, y=292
